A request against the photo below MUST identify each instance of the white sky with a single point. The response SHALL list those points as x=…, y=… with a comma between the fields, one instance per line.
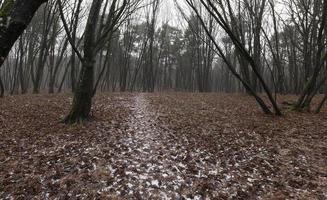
x=169, y=12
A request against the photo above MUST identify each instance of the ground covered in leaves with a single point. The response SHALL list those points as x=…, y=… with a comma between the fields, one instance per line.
x=160, y=146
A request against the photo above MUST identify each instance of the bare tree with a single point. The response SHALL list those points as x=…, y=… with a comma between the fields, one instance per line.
x=149, y=70
x=313, y=32
x=14, y=18
x=212, y=8
x=93, y=42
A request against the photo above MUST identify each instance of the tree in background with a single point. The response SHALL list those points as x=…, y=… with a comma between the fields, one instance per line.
x=213, y=9
x=220, y=46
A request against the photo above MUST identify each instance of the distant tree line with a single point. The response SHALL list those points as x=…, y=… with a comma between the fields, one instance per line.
x=268, y=49
x=250, y=46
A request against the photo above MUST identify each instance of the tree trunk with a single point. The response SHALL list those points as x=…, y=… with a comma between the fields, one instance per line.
x=2, y=89
x=20, y=16
x=321, y=104
x=83, y=95
x=82, y=102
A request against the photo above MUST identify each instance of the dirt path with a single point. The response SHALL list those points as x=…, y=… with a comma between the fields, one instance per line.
x=152, y=164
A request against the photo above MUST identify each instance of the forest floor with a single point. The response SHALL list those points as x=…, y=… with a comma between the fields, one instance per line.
x=160, y=146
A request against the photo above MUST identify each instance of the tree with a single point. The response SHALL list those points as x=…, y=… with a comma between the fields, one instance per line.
x=200, y=50
x=149, y=70
x=212, y=8
x=313, y=19
x=93, y=42
x=48, y=16
x=14, y=19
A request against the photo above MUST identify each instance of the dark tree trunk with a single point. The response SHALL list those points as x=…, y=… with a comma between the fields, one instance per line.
x=64, y=77
x=310, y=88
x=73, y=72
x=321, y=104
x=20, y=16
x=2, y=89
x=21, y=71
x=83, y=95
x=82, y=102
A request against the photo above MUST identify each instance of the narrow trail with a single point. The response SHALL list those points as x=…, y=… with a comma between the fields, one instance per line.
x=152, y=164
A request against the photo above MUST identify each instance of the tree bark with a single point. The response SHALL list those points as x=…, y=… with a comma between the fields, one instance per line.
x=82, y=102
x=20, y=16
x=321, y=104
x=2, y=89
x=14, y=20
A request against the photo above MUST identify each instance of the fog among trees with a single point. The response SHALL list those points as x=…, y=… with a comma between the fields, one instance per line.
x=220, y=46
x=271, y=52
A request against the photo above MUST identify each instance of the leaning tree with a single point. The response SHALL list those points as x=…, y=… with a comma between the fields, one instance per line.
x=215, y=10
x=14, y=19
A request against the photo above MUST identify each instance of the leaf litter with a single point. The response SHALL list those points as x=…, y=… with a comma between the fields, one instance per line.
x=160, y=146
